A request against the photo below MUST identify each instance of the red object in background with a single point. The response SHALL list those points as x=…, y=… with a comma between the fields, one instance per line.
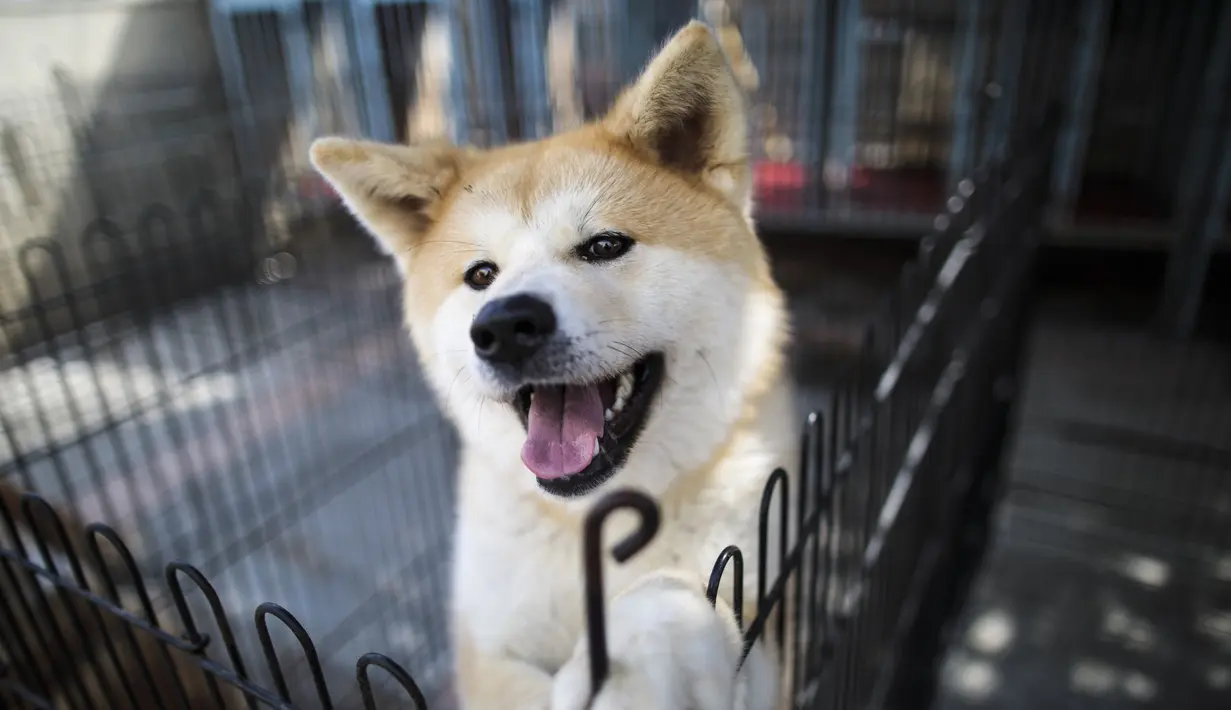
x=778, y=183
x=860, y=177
x=314, y=187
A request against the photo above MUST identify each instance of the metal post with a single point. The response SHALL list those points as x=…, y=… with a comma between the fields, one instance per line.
x=335, y=19
x=814, y=83
x=482, y=26
x=966, y=94
x=844, y=114
x=615, y=37
x=1083, y=96
x=1203, y=133
x=297, y=49
x=365, y=38
x=340, y=101
x=457, y=105
x=1159, y=71
x=1011, y=48
x=235, y=85
x=1203, y=206
x=529, y=49
x=1189, y=262
x=635, y=35
x=753, y=25
x=1176, y=125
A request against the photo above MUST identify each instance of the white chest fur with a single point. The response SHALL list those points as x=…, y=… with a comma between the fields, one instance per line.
x=518, y=583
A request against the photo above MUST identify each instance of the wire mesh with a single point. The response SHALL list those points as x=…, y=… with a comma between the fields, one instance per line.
x=866, y=112
x=196, y=352
x=236, y=427
x=909, y=432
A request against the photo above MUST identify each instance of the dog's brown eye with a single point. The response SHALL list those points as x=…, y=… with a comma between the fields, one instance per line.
x=605, y=247
x=481, y=275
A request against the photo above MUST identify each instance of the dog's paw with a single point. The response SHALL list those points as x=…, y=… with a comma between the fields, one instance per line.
x=669, y=649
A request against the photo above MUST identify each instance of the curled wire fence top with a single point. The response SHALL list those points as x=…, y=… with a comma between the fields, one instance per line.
x=192, y=295
x=866, y=464
x=99, y=618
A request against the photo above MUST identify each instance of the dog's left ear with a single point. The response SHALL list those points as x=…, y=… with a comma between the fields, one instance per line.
x=687, y=112
x=395, y=191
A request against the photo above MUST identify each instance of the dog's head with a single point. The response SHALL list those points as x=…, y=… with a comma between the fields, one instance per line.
x=595, y=303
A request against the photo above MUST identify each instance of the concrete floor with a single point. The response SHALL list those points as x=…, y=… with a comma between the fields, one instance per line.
x=1108, y=584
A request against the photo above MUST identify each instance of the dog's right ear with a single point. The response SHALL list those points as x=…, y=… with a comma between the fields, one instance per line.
x=687, y=112
x=395, y=191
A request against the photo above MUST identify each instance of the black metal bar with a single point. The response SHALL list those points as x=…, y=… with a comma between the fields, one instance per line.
x=764, y=606
x=592, y=564
x=194, y=642
x=877, y=502
x=95, y=531
x=729, y=553
x=198, y=641
x=305, y=643
x=29, y=504
x=397, y=672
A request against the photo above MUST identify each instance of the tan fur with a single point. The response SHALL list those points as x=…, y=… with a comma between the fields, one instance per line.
x=667, y=166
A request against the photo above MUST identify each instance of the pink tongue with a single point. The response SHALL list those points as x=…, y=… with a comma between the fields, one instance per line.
x=565, y=421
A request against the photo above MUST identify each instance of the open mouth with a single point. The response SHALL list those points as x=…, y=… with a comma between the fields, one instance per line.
x=577, y=435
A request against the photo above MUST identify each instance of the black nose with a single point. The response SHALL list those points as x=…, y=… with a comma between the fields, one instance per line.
x=509, y=330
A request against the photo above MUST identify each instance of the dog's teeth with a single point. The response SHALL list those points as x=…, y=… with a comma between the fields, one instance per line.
x=608, y=414
x=596, y=447
x=624, y=389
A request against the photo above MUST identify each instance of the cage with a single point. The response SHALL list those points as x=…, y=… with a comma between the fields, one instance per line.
x=904, y=431
x=232, y=424
x=214, y=366
x=1138, y=77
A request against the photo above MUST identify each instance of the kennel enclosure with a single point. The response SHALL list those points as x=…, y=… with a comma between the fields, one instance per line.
x=907, y=442
x=865, y=111
x=200, y=352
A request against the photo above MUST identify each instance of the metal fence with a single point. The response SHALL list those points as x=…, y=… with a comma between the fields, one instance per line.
x=229, y=426
x=218, y=391
x=231, y=423
x=865, y=112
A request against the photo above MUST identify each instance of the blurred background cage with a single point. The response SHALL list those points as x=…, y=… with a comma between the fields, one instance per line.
x=198, y=348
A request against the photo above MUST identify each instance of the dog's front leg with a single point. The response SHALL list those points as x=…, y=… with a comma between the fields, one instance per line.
x=489, y=681
x=669, y=650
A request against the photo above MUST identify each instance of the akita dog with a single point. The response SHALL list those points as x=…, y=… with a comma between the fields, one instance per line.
x=595, y=311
